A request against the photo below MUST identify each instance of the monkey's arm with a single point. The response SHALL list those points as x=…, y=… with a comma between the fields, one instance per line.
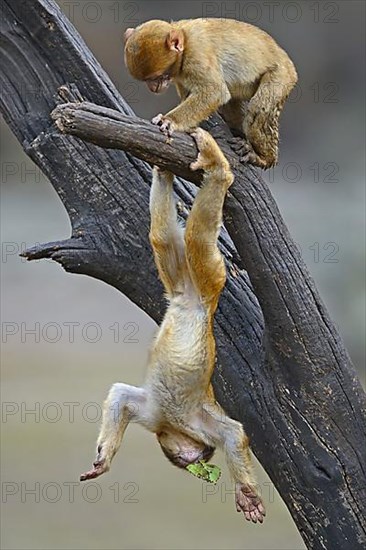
x=181, y=91
x=123, y=405
x=202, y=101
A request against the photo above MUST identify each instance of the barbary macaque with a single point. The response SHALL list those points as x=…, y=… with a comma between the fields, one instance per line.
x=216, y=64
x=177, y=401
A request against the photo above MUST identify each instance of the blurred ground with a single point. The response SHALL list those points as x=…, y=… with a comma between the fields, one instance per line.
x=87, y=336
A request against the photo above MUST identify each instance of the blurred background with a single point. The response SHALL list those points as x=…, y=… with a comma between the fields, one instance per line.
x=67, y=338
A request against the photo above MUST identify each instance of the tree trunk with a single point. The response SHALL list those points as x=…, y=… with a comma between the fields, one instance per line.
x=282, y=368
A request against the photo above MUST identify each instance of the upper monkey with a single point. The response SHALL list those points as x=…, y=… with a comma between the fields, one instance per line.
x=216, y=64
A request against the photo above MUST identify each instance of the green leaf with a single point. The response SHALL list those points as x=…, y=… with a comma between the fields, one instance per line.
x=208, y=472
x=214, y=474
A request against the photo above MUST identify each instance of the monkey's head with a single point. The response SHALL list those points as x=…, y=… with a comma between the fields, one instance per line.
x=154, y=53
x=182, y=450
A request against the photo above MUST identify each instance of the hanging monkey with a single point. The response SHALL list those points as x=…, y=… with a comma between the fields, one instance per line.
x=177, y=401
x=216, y=64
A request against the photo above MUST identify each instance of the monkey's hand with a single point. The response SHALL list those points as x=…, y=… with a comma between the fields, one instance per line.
x=166, y=125
x=248, y=502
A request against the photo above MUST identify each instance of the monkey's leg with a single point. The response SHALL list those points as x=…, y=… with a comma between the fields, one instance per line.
x=234, y=113
x=166, y=235
x=228, y=434
x=123, y=405
x=205, y=262
x=261, y=122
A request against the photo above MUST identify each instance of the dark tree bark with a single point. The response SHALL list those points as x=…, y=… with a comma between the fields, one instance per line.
x=282, y=368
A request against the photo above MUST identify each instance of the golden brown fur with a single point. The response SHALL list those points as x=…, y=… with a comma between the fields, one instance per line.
x=177, y=401
x=216, y=64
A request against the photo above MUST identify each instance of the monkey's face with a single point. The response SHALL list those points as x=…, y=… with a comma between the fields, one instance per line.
x=181, y=450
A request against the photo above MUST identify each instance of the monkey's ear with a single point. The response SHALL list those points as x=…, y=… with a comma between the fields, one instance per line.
x=175, y=40
x=128, y=33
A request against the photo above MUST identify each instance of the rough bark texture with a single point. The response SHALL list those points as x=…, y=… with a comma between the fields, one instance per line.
x=282, y=367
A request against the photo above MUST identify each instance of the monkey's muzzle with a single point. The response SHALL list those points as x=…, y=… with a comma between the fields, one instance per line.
x=184, y=459
x=159, y=85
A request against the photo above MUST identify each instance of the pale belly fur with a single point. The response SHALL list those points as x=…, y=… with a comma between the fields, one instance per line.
x=177, y=372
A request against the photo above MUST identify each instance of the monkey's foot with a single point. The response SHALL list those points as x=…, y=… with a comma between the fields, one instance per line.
x=248, y=502
x=165, y=124
x=241, y=146
x=100, y=467
x=246, y=153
